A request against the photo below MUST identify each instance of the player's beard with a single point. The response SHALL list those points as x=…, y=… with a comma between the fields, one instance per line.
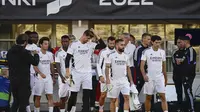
x=121, y=50
x=111, y=48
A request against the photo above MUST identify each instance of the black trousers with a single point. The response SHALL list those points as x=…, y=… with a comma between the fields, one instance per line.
x=93, y=91
x=186, y=82
x=5, y=109
x=21, y=93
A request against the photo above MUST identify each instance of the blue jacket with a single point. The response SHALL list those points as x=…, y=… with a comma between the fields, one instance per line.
x=4, y=91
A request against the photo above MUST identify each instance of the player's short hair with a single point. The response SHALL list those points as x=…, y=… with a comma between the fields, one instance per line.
x=155, y=37
x=145, y=34
x=34, y=32
x=184, y=38
x=111, y=38
x=21, y=39
x=118, y=41
x=72, y=37
x=132, y=36
x=65, y=37
x=41, y=41
x=127, y=35
x=28, y=33
x=89, y=33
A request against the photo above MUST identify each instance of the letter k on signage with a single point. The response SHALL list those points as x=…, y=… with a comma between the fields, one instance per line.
x=54, y=7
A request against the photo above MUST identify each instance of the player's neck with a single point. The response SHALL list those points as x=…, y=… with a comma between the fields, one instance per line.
x=144, y=45
x=119, y=52
x=81, y=40
x=154, y=48
x=43, y=51
x=187, y=45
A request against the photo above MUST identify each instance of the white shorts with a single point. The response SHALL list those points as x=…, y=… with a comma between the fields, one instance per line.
x=63, y=88
x=84, y=79
x=32, y=80
x=42, y=85
x=122, y=86
x=156, y=85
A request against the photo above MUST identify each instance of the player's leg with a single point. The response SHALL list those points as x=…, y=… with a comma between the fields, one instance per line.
x=163, y=102
x=112, y=104
x=114, y=95
x=63, y=93
x=148, y=91
x=179, y=90
x=37, y=92
x=49, y=93
x=102, y=97
x=188, y=94
x=93, y=93
x=74, y=91
x=87, y=87
x=125, y=90
x=160, y=88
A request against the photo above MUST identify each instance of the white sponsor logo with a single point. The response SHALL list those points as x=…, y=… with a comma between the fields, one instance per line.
x=123, y=2
x=54, y=7
x=19, y=2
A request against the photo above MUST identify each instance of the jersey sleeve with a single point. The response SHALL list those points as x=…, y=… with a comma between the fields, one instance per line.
x=144, y=56
x=163, y=56
x=100, y=64
x=57, y=57
x=51, y=58
x=71, y=49
x=127, y=61
x=108, y=59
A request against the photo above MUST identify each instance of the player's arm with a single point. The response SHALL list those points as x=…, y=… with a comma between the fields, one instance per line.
x=38, y=71
x=33, y=60
x=52, y=70
x=129, y=75
x=70, y=53
x=99, y=68
x=142, y=66
x=164, y=71
x=67, y=64
x=57, y=61
x=108, y=65
x=101, y=44
x=164, y=67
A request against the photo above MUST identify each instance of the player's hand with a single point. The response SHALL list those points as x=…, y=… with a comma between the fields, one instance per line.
x=102, y=79
x=146, y=78
x=178, y=62
x=67, y=75
x=34, y=52
x=43, y=76
x=107, y=81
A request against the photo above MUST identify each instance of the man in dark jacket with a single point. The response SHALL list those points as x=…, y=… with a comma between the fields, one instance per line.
x=19, y=61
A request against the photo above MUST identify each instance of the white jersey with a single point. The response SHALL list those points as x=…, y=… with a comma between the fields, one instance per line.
x=119, y=63
x=154, y=61
x=60, y=58
x=129, y=51
x=82, y=56
x=44, y=64
x=103, y=55
x=32, y=47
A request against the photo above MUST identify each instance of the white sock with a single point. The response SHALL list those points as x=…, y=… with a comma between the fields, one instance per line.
x=50, y=109
x=166, y=111
x=116, y=109
x=73, y=109
x=28, y=109
x=101, y=107
x=62, y=110
x=37, y=109
x=126, y=111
